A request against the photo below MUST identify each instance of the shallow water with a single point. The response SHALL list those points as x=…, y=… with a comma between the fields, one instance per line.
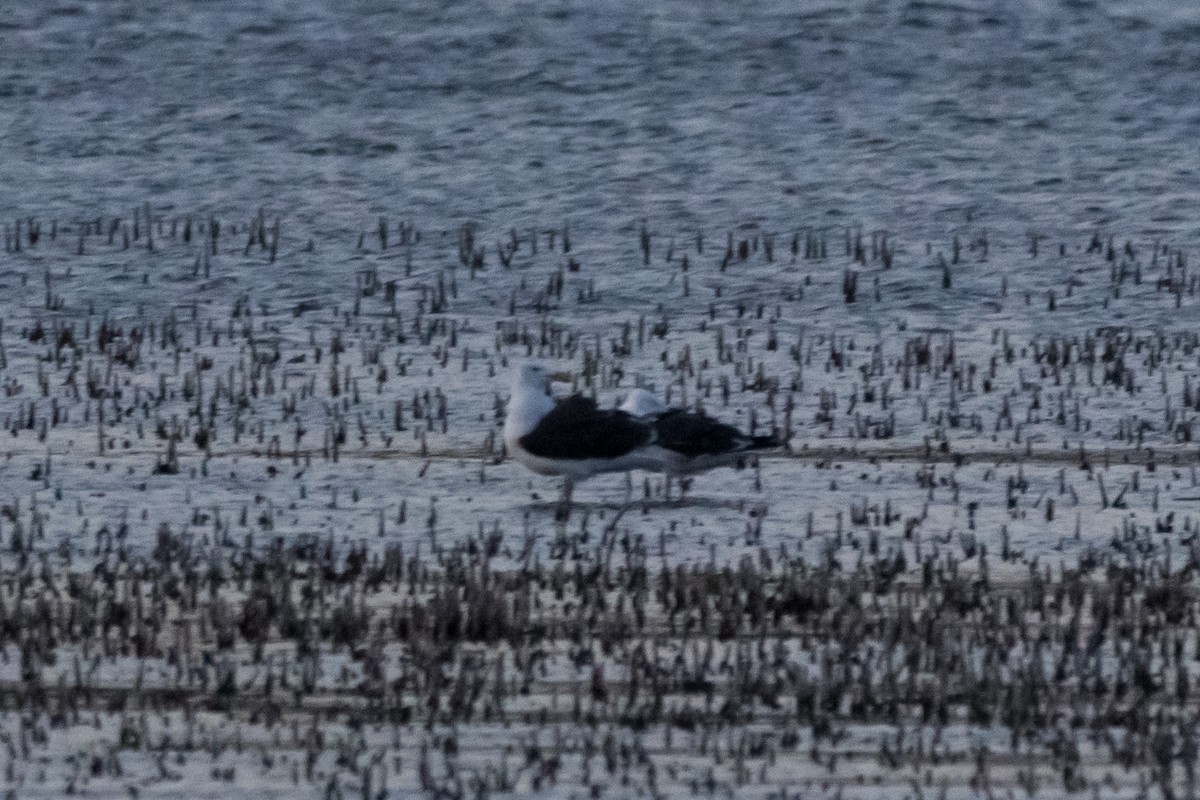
x=963, y=132
x=913, y=116
x=939, y=123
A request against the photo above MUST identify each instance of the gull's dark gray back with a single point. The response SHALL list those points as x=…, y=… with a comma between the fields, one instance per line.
x=577, y=429
x=693, y=435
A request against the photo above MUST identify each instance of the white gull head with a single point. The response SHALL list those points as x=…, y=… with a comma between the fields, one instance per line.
x=530, y=401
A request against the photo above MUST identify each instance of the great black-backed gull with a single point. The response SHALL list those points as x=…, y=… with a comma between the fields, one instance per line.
x=577, y=439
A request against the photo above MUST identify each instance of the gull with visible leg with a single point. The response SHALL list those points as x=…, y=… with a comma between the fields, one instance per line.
x=577, y=439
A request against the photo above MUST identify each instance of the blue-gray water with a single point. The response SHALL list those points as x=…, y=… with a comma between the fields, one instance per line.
x=177, y=406
x=916, y=116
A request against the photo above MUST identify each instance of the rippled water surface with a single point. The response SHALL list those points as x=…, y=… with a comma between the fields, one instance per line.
x=914, y=116
x=219, y=420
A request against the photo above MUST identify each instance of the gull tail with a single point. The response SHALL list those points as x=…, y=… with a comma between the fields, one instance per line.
x=751, y=445
x=771, y=442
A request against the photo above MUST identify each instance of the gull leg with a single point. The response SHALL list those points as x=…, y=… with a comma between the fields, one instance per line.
x=564, y=504
x=627, y=504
